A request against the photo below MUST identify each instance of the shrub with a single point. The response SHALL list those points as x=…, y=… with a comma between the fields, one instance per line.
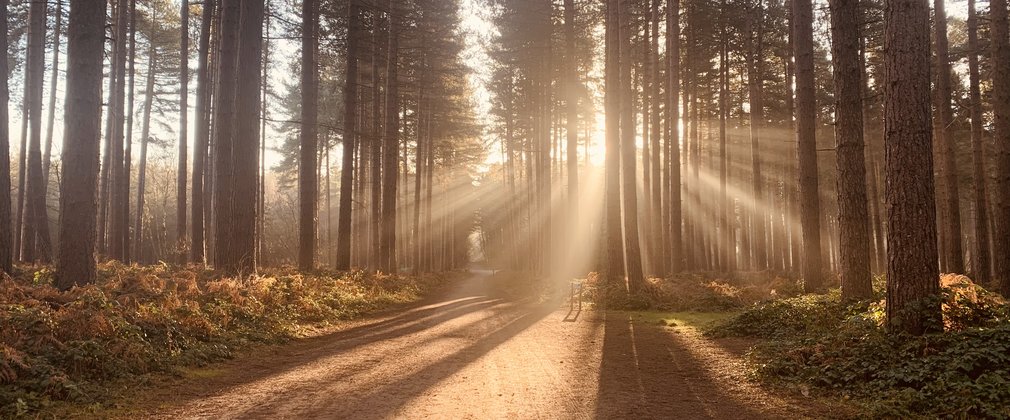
x=820, y=343
x=69, y=346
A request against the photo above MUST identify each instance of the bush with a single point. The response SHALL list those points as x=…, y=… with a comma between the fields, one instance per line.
x=820, y=343
x=694, y=292
x=70, y=346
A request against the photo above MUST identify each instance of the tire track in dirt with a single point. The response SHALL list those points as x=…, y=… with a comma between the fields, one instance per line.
x=468, y=354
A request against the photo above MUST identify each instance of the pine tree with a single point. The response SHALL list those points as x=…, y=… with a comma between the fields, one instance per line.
x=75, y=264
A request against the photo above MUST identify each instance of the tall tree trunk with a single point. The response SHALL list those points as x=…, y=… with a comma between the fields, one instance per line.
x=755, y=82
x=391, y=145
x=224, y=134
x=181, y=176
x=660, y=230
x=727, y=245
x=47, y=157
x=375, y=156
x=912, y=275
x=35, y=242
x=806, y=135
x=245, y=146
x=949, y=193
x=854, y=241
x=203, y=98
x=633, y=256
x=982, y=267
x=145, y=132
x=673, y=167
x=75, y=264
x=117, y=180
x=350, y=132
x=308, y=185
x=1000, y=44
x=571, y=120
x=613, y=265
x=6, y=234
x=128, y=137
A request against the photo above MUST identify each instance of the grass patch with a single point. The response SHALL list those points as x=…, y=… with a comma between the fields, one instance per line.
x=81, y=347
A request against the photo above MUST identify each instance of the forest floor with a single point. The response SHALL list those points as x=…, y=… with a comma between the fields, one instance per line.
x=470, y=352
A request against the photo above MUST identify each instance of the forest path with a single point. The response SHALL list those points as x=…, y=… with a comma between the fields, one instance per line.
x=468, y=354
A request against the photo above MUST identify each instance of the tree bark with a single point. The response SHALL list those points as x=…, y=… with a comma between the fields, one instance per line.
x=912, y=273
x=673, y=168
x=854, y=241
x=949, y=192
x=82, y=121
x=245, y=144
x=350, y=132
x=47, y=157
x=224, y=117
x=6, y=234
x=391, y=145
x=181, y=176
x=152, y=61
x=982, y=267
x=1000, y=45
x=308, y=185
x=613, y=265
x=203, y=101
x=35, y=240
x=633, y=256
x=806, y=137
x=755, y=82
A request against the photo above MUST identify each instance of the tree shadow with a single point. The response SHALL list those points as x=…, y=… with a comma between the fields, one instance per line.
x=646, y=372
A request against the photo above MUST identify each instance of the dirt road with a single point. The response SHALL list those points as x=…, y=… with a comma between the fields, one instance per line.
x=468, y=354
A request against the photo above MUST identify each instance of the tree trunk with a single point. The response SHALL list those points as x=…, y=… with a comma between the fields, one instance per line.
x=854, y=241
x=673, y=167
x=308, y=185
x=613, y=265
x=982, y=267
x=572, y=121
x=1000, y=45
x=47, y=157
x=35, y=241
x=912, y=275
x=636, y=278
x=391, y=145
x=949, y=193
x=755, y=82
x=152, y=61
x=75, y=264
x=6, y=234
x=203, y=98
x=350, y=132
x=224, y=117
x=806, y=136
x=245, y=146
x=180, y=200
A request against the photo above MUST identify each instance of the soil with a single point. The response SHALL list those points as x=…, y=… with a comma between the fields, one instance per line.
x=469, y=353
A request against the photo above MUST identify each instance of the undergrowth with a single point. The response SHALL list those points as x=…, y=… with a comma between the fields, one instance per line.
x=693, y=292
x=819, y=344
x=58, y=347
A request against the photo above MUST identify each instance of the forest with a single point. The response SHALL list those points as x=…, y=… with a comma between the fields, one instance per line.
x=607, y=209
